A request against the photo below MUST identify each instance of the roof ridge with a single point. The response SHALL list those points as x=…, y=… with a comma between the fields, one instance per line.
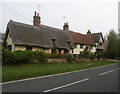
x=52, y=28
x=77, y=33
x=97, y=33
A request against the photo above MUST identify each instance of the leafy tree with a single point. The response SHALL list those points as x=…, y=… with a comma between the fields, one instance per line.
x=112, y=45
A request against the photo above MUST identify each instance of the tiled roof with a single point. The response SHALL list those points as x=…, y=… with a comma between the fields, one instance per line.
x=80, y=38
x=96, y=36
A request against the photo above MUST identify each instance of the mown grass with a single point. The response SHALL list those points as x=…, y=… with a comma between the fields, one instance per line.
x=17, y=72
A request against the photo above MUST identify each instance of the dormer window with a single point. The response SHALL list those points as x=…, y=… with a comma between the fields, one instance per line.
x=69, y=43
x=53, y=42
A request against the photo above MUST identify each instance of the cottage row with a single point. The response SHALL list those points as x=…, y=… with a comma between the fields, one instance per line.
x=20, y=36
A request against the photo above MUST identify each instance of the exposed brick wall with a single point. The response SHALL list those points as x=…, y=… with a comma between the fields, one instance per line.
x=57, y=60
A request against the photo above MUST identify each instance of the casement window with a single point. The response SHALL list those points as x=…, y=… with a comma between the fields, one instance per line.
x=9, y=47
x=66, y=51
x=81, y=46
x=75, y=45
x=53, y=42
x=91, y=47
x=100, y=44
x=69, y=43
x=54, y=51
x=28, y=48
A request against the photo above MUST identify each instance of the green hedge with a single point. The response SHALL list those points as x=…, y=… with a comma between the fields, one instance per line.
x=23, y=57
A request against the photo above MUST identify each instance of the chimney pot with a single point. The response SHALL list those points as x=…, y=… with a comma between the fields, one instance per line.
x=89, y=33
x=66, y=26
x=35, y=13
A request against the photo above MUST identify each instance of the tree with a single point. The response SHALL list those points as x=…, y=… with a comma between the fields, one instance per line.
x=112, y=45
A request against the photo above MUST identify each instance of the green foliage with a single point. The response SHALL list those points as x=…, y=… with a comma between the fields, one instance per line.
x=69, y=58
x=91, y=56
x=85, y=54
x=40, y=56
x=112, y=47
x=7, y=57
x=23, y=71
x=104, y=54
x=22, y=57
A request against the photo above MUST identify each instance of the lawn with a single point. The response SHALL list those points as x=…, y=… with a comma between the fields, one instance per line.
x=17, y=72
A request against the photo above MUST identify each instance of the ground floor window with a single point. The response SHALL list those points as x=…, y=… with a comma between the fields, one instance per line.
x=10, y=47
x=53, y=50
x=28, y=48
x=66, y=51
x=59, y=51
x=81, y=46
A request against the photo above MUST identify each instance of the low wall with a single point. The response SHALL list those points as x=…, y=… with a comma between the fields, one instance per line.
x=65, y=59
x=87, y=59
x=57, y=60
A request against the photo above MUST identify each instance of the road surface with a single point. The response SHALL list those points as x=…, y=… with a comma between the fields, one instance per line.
x=100, y=79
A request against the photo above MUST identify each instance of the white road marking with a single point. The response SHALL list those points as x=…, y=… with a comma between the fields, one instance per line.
x=54, y=74
x=106, y=72
x=66, y=85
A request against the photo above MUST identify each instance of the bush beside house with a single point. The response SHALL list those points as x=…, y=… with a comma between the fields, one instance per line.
x=22, y=57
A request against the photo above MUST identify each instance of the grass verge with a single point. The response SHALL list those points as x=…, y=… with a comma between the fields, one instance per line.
x=17, y=72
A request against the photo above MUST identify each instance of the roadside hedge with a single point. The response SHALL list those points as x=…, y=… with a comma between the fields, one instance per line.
x=22, y=57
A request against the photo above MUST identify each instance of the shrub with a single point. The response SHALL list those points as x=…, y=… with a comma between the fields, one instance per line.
x=69, y=58
x=40, y=56
x=91, y=56
x=22, y=57
x=85, y=54
x=7, y=57
x=104, y=54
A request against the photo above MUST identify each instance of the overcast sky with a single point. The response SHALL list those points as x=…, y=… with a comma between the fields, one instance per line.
x=81, y=15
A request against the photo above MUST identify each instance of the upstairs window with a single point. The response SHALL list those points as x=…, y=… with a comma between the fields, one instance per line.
x=28, y=48
x=100, y=44
x=75, y=45
x=53, y=42
x=81, y=46
x=69, y=43
x=91, y=47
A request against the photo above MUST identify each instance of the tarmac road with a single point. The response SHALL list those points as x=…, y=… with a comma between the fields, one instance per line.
x=100, y=79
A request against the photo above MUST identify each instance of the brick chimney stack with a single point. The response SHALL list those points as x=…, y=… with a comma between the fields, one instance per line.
x=66, y=26
x=89, y=33
x=36, y=19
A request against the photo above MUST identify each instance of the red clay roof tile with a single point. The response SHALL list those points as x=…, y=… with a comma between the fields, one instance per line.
x=80, y=38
